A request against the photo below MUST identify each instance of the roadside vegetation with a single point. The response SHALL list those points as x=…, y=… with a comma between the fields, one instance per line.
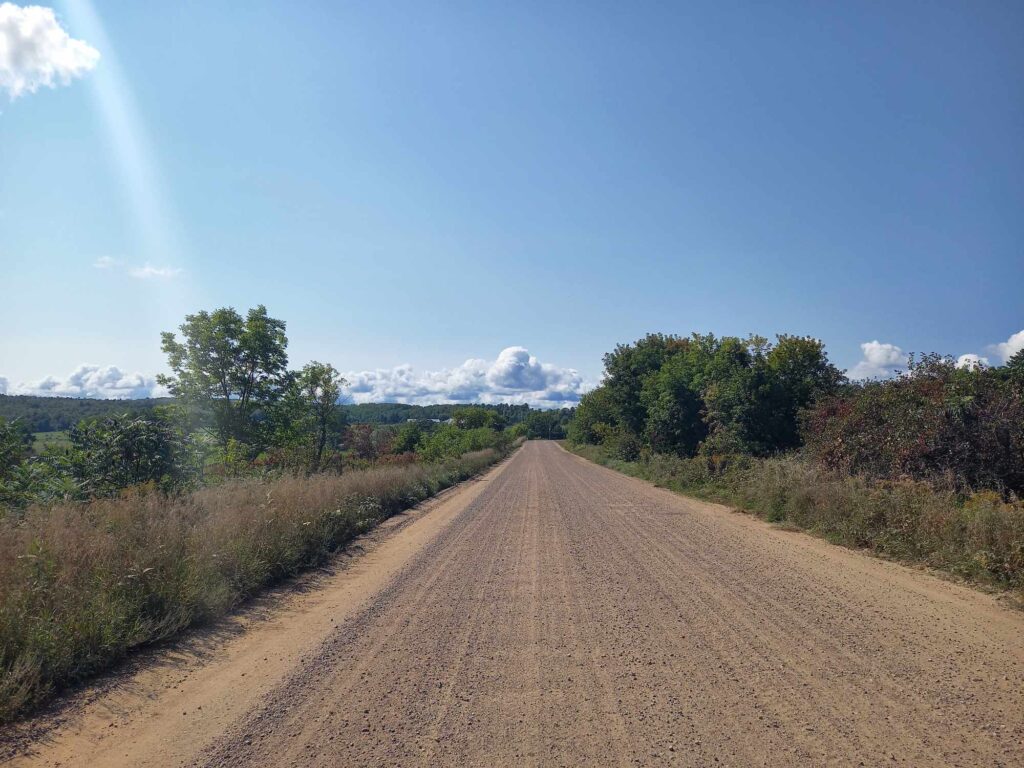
x=927, y=467
x=142, y=522
x=82, y=584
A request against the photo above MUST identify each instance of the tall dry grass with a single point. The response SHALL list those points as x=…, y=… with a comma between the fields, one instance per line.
x=82, y=584
x=978, y=536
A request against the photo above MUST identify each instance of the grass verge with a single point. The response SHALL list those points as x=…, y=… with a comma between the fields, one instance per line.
x=83, y=584
x=978, y=537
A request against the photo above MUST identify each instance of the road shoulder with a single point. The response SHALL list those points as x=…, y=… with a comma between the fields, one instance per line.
x=172, y=700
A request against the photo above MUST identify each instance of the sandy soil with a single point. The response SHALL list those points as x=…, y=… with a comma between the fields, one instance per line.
x=558, y=613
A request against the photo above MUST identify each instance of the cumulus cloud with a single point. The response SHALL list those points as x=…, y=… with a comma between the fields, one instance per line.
x=515, y=376
x=108, y=382
x=36, y=52
x=970, y=360
x=105, y=262
x=1004, y=350
x=1010, y=347
x=880, y=361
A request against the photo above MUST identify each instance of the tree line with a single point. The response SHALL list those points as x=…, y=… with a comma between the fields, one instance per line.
x=399, y=413
x=714, y=397
x=238, y=408
x=58, y=414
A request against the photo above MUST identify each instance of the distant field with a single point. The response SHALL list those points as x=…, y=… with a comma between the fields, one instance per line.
x=46, y=415
x=43, y=440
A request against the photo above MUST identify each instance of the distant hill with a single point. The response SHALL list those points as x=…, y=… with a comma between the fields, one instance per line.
x=52, y=414
x=397, y=413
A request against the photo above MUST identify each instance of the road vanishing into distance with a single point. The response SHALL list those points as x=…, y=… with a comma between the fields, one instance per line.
x=554, y=612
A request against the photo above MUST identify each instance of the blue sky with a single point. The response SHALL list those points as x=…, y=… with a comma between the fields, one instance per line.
x=422, y=184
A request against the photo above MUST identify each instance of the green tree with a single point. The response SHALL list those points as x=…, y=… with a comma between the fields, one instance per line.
x=15, y=445
x=547, y=425
x=229, y=366
x=594, y=417
x=319, y=387
x=477, y=416
x=1015, y=370
x=122, y=451
x=626, y=367
x=719, y=395
x=675, y=409
x=408, y=437
x=737, y=398
x=26, y=479
x=804, y=374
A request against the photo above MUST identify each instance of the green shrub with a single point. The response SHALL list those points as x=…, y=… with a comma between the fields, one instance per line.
x=449, y=440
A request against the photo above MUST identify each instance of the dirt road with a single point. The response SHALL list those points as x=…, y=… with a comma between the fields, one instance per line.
x=558, y=613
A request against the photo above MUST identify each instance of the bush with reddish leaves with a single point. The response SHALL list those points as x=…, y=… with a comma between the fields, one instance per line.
x=956, y=427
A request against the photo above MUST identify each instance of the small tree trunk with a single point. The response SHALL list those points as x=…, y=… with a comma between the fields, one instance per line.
x=321, y=442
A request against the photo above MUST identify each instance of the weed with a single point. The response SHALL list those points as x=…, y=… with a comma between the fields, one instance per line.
x=83, y=584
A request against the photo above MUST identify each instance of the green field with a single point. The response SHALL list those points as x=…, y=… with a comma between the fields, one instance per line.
x=43, y=440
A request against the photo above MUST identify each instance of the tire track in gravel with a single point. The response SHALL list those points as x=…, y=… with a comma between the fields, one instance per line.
x=837, y=680
x=673, y=632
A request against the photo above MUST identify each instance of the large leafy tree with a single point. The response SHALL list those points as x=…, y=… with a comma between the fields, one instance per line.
x=717, y=395
x=476, y=416
x=313, y=418
x=626, y=367
x=804, y=375
x=739, y=395
x=594, y=417
x=675, y=410
x=471, y=417
x=234, y=367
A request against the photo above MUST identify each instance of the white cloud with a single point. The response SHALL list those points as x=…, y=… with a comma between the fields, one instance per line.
x=1010, y=347
x=971, y=360
x=1003, y=350
x=35, y=51
x=515, y=376
x=880, y=361
x=146, y=272
x=149, y=272
x=108, y=382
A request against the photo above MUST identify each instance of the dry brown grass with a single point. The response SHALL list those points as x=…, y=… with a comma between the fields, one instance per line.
x=82, y=584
